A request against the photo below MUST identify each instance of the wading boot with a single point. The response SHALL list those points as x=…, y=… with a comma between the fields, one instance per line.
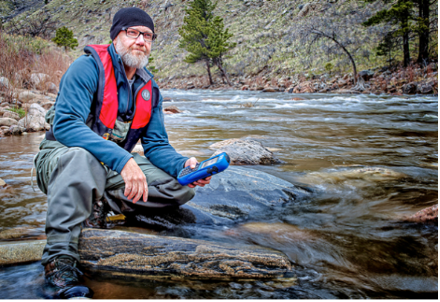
x=63, y=280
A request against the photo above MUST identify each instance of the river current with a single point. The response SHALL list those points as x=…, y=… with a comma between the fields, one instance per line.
x=372, y=160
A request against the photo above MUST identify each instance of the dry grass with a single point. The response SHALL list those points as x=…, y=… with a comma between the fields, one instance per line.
x=20, y=57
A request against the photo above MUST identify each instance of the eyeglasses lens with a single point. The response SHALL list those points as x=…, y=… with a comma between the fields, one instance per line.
x=134, y=34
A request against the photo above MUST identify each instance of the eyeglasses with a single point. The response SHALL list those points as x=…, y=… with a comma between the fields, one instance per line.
x=134, y=34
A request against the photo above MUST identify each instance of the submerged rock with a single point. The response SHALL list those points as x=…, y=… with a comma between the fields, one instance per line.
x=123, y=254
x=235, y=195
x=248, y=152
x=171, y=110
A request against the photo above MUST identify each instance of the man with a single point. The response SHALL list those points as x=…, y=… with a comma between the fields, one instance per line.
x=107, y=101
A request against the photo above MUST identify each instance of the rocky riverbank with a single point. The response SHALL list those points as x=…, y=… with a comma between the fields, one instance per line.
x=391, y=80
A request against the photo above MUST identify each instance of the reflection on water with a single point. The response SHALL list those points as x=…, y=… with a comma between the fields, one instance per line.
x=372, y=160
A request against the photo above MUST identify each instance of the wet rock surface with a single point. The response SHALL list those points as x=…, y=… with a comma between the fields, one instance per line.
x=158, y=257
x=171, y=110
x=236, y=194
x=21, y=252
x=247, y=152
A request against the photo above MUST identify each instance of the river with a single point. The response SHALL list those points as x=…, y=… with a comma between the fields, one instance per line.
x=373, y=160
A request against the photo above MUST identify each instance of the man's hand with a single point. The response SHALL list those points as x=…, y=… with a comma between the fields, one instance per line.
x=135, y=181
x=192, y=162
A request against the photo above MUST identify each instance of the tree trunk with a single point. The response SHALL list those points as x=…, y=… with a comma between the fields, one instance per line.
x=353, y=64
x=405, y=26
x=209, y=72
x=406, y=55
x=424, y=33
x=219, y=65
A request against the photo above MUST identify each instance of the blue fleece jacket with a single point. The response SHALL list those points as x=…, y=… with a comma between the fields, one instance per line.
x=75, y=98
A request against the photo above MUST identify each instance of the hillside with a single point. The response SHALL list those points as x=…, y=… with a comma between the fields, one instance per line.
x=266, y=33
x=262, y=30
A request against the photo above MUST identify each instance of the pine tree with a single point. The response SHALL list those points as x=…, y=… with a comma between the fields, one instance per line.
x=64, y=37
x=400, y=13
x=204, y=37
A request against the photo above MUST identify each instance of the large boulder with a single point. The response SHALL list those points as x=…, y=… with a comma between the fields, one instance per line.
x=35, y=120
x=248, y=152
x=234, y=195
x=124, y=253
x=6, y=121
x=115, y=253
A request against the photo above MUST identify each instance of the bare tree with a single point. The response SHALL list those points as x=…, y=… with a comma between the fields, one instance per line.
x=336, y=29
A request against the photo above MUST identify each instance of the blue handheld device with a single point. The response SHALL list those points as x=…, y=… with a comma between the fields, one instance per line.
x=204, y=169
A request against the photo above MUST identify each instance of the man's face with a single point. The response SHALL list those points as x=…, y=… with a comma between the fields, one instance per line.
x=134, y=52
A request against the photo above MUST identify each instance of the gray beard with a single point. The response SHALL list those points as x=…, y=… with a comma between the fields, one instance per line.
x=130, y=60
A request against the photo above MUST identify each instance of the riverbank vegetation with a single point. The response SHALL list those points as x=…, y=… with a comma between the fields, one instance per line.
x=298, y=46
x=29, y=63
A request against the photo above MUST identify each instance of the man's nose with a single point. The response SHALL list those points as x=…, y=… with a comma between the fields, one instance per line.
x=140, y=40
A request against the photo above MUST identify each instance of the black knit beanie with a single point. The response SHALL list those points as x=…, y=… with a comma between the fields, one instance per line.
x=130, y=16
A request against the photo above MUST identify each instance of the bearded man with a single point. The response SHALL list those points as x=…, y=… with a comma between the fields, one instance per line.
x=107, y=101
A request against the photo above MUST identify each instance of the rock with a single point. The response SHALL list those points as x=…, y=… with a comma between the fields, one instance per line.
x=4, y=128
x=427, y=215
x=269, y=89
x=248, y=152
x=47, y=105
x=425, y=88
x=1, y=133
x=18, y=232
x=366, y=74
x=37, y=78
x=35, y=120
x=4, y=83
x=234, y=195
x=21, y=252
x=51, y=87
x=27, y=96
x=124, y=254
x=7, y=121
x=2, y=184
x=171, y=110
x=16, y=130
x=11, y=114
x=218, y=145
x=410, y=88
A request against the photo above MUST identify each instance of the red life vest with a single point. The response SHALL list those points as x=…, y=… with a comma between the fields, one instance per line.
x=104, y=111
x=107, y=103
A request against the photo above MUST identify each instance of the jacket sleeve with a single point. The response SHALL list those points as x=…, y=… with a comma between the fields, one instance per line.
x=77, y=89
x=156, y=145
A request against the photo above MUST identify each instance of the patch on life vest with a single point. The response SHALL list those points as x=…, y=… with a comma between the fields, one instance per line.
x=106, y=136
x=145, y=95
